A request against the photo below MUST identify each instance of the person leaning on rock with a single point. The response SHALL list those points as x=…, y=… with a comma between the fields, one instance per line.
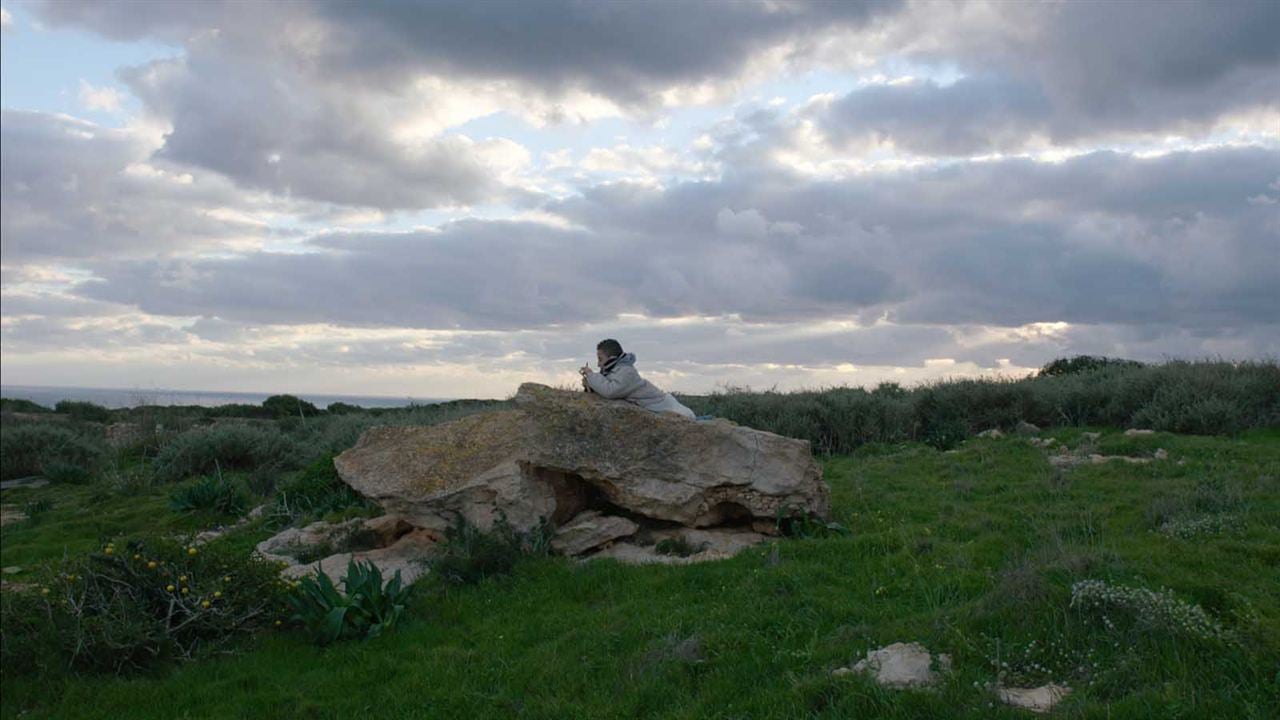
x=619, y=380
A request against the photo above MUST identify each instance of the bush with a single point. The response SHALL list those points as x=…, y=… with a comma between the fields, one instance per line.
x=341, y=408
x=366, y=610
x=227, y=447
x=289, y=406
x=83, y=411
x=1084, y=363
x=213, y=494
x=469, y=554
x=48, y=448
x=134, y=605
x=22, y=406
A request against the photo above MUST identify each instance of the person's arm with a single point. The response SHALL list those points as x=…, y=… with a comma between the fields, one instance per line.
x=619, y=384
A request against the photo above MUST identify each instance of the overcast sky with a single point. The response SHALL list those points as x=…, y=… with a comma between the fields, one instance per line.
x=445, y=199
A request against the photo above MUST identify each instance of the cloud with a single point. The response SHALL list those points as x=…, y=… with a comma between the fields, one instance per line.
x=631, y=52
x=73, y=189
x=1077, y=70
x=106, y=99
x=6, y=20
x=1105, y=238
x=278, y=130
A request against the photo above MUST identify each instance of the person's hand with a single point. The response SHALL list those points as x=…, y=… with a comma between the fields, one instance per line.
x=584, y=371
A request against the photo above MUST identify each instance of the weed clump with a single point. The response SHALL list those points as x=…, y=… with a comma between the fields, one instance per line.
x=469, y=554
x=366, y=610
x=314, y=492
x=135, y=605
x=213, y=494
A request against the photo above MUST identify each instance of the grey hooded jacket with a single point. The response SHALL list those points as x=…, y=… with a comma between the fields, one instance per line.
x=619, y=380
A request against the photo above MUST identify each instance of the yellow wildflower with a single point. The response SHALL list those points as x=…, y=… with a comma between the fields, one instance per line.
x=205, y=604
x=151, y=565
x=169, y=588
x=186, y=591
x=217, y=593
x=192, y=551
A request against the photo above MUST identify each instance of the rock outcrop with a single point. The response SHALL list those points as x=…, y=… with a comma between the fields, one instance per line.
x=561, y=453
x=616, y=480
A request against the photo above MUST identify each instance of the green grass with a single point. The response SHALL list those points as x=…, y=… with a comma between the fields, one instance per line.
x=971, y=553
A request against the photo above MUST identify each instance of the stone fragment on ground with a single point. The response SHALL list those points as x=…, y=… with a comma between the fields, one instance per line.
x=904, y=665
x=589, y=530
x=1096, y=459
x=31, y=481
x=291, y=543
x=1025, y=428
x=1039, y=700
x=1090, y=436
x=407, y=556
x=709, y=544
x=993, y=433
x=1043, y=442
x=1161, y=454
x=10, y=514
x=1137, y=432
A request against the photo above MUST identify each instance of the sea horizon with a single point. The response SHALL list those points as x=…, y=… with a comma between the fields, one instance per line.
x=50, y=395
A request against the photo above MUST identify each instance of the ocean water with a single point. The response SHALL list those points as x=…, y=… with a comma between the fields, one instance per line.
x=118, y=397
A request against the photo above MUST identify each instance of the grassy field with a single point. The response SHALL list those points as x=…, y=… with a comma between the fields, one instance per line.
x=972, y=552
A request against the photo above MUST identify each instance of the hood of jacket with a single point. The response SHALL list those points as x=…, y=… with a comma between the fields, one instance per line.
x=623, y=359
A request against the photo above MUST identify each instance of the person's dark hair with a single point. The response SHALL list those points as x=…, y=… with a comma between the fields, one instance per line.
x=611, y=347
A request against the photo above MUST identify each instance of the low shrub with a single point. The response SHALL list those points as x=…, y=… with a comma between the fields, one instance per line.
x=214, y=494
x=367, y=609
x=1209, y=397
x=58, y=452
x=83, y=411
x=229, y=447
x=134, y=605
x=469, y=554
x=289, y=406
x=1084, y=363
x=1147, y=610
x=21, y=405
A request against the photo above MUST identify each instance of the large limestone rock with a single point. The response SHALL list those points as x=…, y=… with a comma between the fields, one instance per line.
x=560, y=453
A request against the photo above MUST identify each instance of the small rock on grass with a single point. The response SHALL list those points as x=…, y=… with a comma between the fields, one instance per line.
x=1038, y=700
x=1162, y=454
x=1026, y=428
x=1137, y=432
x=902, y=665
x=993, y=433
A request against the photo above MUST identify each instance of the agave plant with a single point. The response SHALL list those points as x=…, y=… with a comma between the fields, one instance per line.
x=366, y=610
